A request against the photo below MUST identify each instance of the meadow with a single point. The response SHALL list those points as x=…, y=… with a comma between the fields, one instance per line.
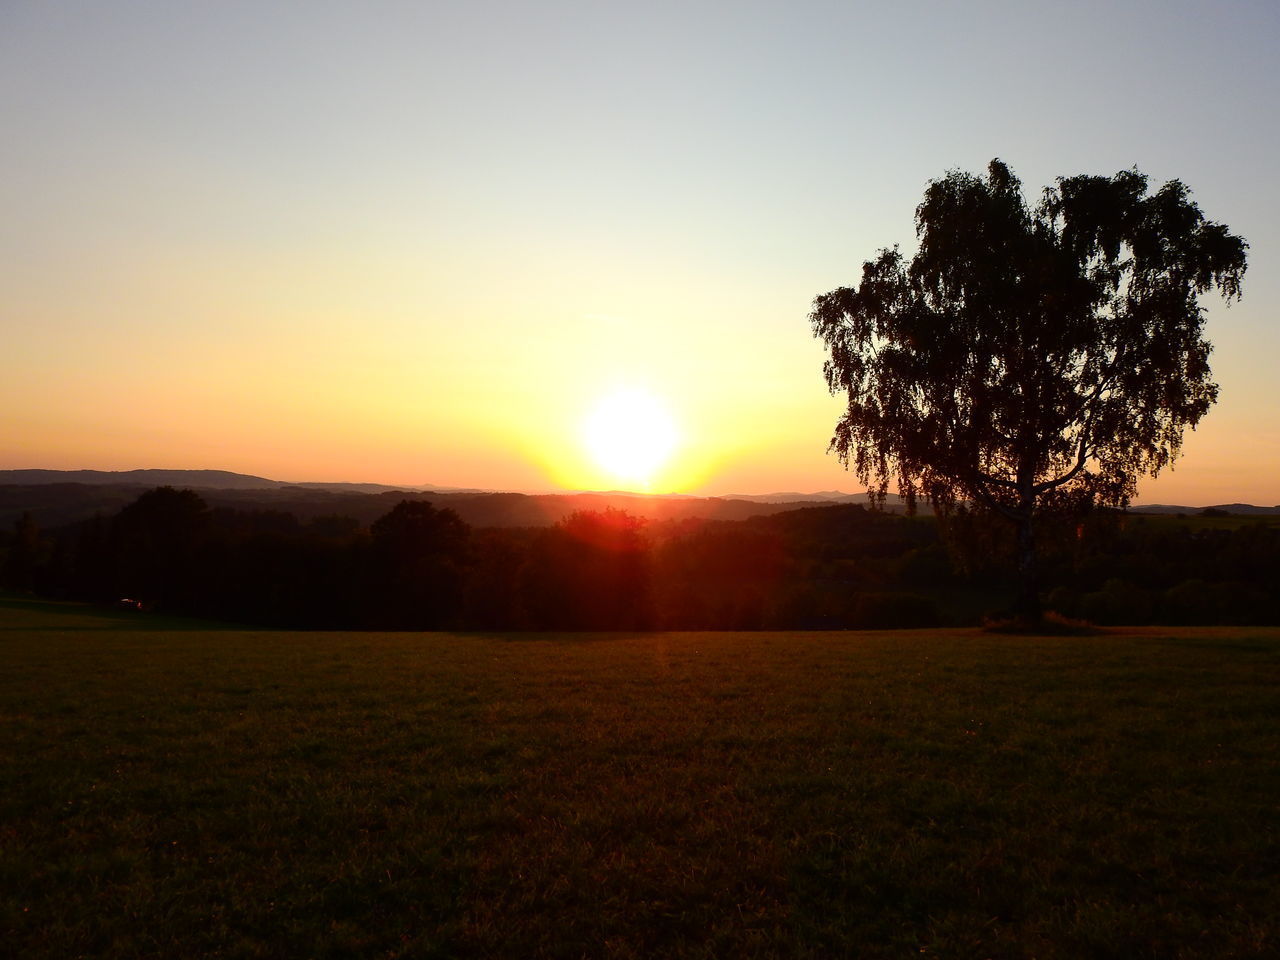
x=176, y=788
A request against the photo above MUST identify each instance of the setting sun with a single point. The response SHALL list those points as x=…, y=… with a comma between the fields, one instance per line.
x=630, y=435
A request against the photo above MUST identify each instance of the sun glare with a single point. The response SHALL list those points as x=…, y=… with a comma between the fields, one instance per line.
x=630, y=435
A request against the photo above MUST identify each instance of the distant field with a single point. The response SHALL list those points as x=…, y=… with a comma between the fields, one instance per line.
x=168, y=790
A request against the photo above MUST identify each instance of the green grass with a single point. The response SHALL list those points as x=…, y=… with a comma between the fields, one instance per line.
x=167, y=790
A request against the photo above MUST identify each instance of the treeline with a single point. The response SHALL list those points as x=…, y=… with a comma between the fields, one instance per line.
x=419, y=567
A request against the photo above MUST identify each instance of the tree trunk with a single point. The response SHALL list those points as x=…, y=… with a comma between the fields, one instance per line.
x=1027, y=608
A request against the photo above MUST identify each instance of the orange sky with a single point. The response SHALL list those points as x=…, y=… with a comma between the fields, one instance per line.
x=418, y=243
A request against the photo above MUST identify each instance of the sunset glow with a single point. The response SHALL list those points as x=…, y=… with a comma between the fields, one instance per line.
x=630, y=435
x=450, y=233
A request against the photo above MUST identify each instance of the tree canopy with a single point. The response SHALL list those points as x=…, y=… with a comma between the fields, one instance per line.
x=1029, y=357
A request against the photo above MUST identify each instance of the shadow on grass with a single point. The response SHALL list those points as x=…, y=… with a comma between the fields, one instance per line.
x=57, y=615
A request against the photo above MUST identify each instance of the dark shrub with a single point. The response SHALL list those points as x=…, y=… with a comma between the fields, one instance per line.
x=1119, y=602
x=1063, y=600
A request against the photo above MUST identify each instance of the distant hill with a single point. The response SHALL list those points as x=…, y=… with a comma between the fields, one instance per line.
x=226, y=480
x=349, y=487
x=822, y=496
x=892, y=504
x=209, y=479
x=195, y=479
x=1239, y=509
x=538, y=510
x=57, y=504
x=56, y=497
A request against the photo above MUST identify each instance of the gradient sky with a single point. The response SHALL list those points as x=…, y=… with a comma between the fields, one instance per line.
x=420, y=242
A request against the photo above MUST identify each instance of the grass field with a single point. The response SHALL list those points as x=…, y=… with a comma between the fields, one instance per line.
x=170, y=790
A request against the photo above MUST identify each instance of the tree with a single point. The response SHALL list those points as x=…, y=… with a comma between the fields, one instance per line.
x=23, y=557
x=589, y=572
x=157, y=542
x=418, y=554
x=1028, y=360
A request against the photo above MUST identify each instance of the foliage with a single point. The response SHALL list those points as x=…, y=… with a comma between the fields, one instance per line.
x=1028, y=359
x=589, y=572
x=21, y=556
x=419, y=567
x=415, y=571
x=157, y=539
x=415, y=529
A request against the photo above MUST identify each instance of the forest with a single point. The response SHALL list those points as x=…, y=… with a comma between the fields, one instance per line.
x=421, y=567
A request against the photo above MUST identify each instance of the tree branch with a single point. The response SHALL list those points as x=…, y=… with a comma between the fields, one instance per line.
x=1081, y=459
x=996, y=481
x=991, y=503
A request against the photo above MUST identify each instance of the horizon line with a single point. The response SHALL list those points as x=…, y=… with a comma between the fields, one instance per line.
x=563, y=491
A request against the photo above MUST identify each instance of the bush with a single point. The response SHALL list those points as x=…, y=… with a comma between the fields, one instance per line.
x=1064, y=601
x=1119, y=602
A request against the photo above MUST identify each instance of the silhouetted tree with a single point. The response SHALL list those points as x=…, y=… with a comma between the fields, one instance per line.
x=722, y=575
x=589, y=572
x=156, y=542
x=492, y=590
x=90, y=574
x=418, y=553
x=24, y=552
x=1028, y=359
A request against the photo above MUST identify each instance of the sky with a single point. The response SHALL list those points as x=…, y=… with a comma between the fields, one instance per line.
x=439, y=243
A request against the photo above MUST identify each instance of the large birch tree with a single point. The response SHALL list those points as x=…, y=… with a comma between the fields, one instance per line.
x=1028, y=358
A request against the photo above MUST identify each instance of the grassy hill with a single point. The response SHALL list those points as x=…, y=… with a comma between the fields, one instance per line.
x=172, y=788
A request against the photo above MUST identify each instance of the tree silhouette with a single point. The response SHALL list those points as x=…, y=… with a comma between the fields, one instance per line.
x=157, y=539
x=418, y=552
x=590, y=572
x=1026, y=359
x=22, y=559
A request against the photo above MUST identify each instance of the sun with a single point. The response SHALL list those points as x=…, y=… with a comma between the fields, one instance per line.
x=630, y=436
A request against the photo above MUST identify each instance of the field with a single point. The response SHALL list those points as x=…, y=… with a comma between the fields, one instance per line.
x=171, y=789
